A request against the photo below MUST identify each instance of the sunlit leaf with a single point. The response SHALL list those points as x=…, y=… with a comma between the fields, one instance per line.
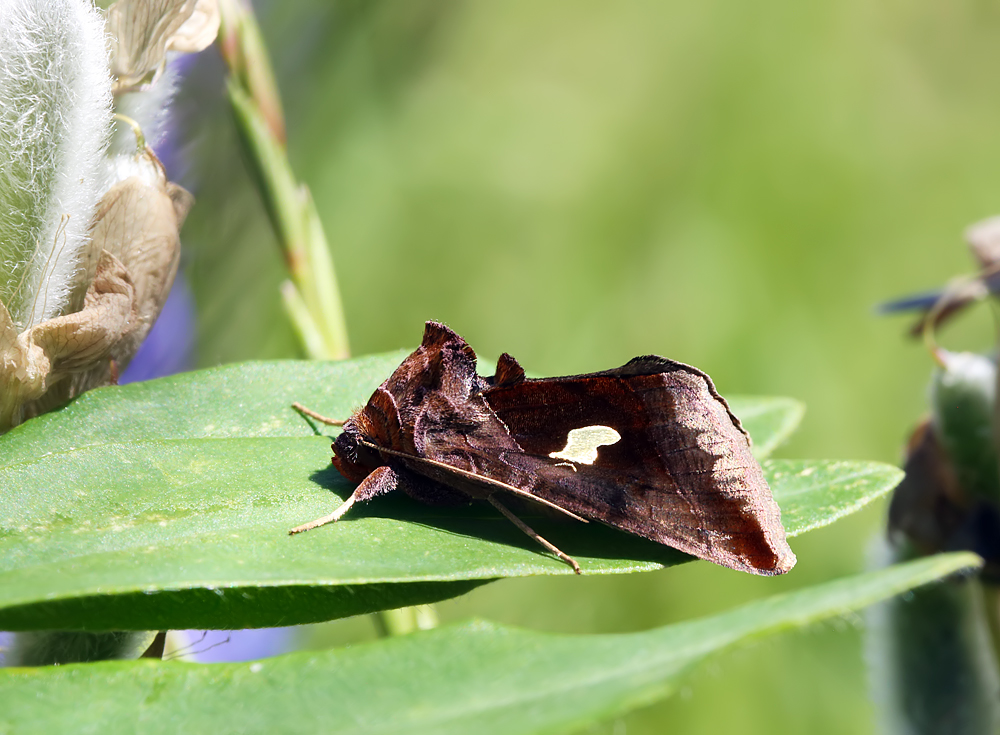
x=167, y=505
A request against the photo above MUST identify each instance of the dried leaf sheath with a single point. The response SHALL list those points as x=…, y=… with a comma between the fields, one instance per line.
x=142, y=31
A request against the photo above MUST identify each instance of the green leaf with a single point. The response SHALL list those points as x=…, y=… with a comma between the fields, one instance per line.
x=194, y=534
x=770, y=421
x=477, y=677
x=815, y=493
x=172, y=511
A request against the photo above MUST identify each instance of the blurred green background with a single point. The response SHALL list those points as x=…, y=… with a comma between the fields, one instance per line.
x=732, y=185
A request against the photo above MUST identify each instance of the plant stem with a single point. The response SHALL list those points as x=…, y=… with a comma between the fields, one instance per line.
x=405, y=620
x=991, y=610
x=311, y=297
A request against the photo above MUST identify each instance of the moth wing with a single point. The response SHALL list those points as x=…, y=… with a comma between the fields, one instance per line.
x=681, y=474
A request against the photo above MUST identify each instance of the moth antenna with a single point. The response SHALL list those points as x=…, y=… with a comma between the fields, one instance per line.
x=183, y=650
x=319, y=417
x=528, y=530
x=332, y=518
x=189, y=649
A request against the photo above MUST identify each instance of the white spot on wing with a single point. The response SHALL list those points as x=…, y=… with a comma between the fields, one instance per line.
x=582, y=443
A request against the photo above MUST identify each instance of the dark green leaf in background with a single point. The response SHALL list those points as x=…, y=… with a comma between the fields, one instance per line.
x=476, y=677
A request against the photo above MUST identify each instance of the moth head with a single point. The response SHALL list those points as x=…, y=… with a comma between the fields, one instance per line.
x=351, y=455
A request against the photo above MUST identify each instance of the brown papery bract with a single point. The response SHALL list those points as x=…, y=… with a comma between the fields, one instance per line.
x=142, y=32
x=135, y=239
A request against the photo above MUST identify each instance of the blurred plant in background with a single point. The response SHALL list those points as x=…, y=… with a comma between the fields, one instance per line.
x=934, y=652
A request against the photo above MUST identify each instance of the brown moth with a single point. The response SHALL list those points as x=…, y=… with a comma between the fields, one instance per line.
x=650, y=448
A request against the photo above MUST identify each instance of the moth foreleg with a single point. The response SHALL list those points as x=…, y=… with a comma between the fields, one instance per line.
x=530, y=532
x=382, y=480
x=318, y=416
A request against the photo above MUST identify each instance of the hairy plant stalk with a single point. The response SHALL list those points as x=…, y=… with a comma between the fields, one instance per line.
x=933, y=654
x=55, y=120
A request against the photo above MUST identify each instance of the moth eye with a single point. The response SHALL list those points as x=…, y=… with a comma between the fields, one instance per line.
x=582, y=443
x=346, y=447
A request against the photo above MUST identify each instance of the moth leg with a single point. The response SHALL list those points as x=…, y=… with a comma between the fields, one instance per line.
x=528, y=530
x=319, y=417
x=382, y=480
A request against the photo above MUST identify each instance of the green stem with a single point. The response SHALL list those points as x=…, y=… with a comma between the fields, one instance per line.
x=405, y=620
x=991, y=611
x=315, y=308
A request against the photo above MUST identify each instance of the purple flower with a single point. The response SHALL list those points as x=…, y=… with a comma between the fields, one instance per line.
x=169, y=346
x=217, y=646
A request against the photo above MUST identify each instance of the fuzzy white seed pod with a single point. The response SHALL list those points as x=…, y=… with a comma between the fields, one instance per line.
x=55, y=119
